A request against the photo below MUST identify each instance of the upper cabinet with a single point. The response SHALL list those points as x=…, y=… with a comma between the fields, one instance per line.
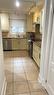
x=36, y=17
x=29, y=23
x=4, y=22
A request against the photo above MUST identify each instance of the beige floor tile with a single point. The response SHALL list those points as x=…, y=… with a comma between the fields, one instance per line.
x=9, y=67
x=39, y=93
x=18, y=65
x=9, y=72
x=11, y=54
x=9, y=94
x=30, y=67
x=9, y=76
x=24, y=94
x=32, y=76
x=9, y=90
x=19, y=77
x=32, y=70
x=21, y=87
x=18, y=70
x=35, y=86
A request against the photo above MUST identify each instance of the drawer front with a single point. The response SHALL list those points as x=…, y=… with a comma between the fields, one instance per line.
x=35, y=47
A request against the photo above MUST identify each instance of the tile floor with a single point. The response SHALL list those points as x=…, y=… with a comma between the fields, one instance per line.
x=21, y=75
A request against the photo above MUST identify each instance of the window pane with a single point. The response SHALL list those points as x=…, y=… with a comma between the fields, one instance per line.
x=17, y=26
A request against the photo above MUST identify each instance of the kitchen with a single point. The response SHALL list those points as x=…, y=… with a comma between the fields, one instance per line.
x=29, y=39
x=26, y=47
x=22, y=28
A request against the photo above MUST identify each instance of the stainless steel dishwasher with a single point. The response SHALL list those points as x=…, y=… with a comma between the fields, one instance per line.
x=7, y=44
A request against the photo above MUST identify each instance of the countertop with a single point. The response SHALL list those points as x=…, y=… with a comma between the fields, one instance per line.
x=14, y=38
x=38, y=43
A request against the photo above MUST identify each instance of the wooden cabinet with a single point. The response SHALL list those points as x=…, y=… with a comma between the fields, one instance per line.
x=23, y=44
x=15, y=44
x=36, y=53
x=19, y=44
x=36, y=17
x=29, y=23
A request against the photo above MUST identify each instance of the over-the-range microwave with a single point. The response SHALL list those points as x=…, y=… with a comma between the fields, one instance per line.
x=36, y=27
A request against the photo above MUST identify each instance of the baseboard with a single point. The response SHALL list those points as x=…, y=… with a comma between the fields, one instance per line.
x=41, y=80
x=49, y=89
x=3, y=91
x=46, y=86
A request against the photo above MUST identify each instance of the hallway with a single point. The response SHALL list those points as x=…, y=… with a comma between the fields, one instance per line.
x=21, y=74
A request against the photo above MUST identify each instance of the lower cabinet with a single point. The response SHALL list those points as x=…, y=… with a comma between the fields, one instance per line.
x=19, y=44
x=15, y=44
x=23, y=44
x=36, y=54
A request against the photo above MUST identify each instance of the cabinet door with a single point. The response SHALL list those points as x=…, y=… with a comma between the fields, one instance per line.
x=15, y=44
x=29, y=23
x=36, y=54
x=23, y=44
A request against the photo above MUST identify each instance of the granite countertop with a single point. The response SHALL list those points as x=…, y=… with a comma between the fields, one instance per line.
x=14, y=37
x=38, y=43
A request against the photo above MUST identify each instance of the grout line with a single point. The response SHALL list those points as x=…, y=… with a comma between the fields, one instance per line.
x=27, y=81
x=13, y=81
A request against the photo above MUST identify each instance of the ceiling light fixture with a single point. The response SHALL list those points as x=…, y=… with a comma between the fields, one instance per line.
x=17, y=4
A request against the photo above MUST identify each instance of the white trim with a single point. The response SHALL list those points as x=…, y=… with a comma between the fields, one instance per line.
x=40, y=79
x=49, y=89
x=46, y=86
x=3, y=92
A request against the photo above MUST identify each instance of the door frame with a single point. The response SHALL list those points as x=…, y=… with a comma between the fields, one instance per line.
x=44, y=65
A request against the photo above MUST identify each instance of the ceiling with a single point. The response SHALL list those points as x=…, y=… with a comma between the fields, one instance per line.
x=38, y=7
x=10, y=7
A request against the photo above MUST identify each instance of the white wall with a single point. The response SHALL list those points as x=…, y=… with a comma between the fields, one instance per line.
x=44, y=40
x=15, y=16
x=2, y=77
x=4, y=22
